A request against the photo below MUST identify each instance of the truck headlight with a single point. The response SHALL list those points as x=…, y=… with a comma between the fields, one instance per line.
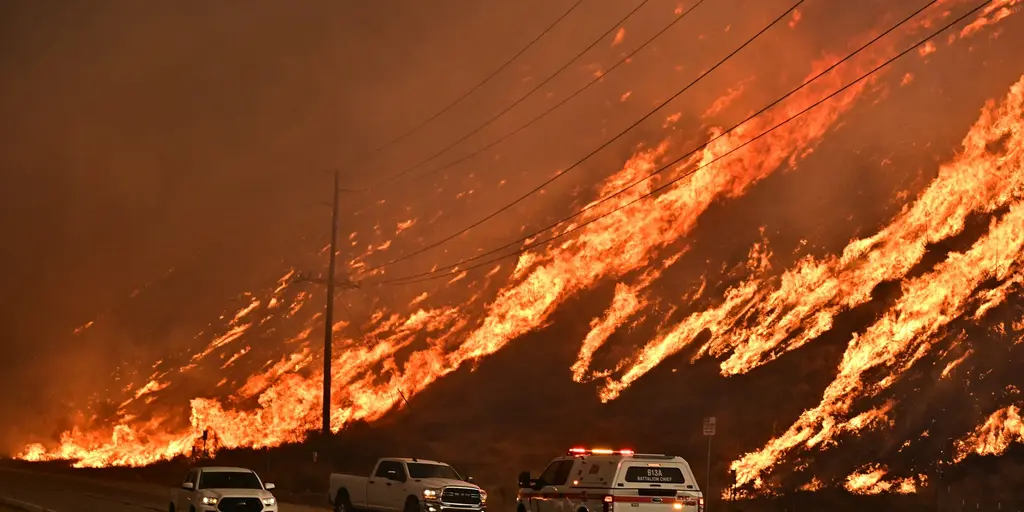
x=483, y=497
x=269, y=501
x=209, y=500
x=431, y=494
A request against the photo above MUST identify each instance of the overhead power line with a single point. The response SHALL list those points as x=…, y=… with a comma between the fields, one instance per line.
x=565, y=100
x=522, y=98
x=586, y=157
x=444, y=271
x=476, y=87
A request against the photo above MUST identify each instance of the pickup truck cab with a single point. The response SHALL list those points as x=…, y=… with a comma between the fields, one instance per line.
x=406, y=485
x=598, y=480
x=223, y=489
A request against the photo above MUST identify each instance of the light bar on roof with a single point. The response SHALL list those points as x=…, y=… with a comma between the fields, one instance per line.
x=600, y=451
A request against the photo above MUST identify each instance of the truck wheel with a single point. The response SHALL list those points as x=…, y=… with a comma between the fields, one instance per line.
x=342, y=503
x=412, y=505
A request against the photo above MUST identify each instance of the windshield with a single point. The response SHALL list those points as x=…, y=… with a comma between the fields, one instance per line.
x=229, y=480
x=420, y=470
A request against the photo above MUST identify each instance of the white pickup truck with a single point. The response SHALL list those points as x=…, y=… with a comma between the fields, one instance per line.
x=223, y=490
x=406, y=485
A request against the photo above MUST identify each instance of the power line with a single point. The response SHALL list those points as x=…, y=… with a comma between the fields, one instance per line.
x=586, y=157
x=439, y=273
x=565, y=100
x=514, y=104
x=476, y=87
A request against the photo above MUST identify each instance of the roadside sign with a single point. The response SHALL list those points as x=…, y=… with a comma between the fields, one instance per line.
x=709, y=426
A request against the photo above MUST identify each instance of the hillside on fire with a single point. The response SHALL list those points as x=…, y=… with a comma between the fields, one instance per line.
x=803, y=218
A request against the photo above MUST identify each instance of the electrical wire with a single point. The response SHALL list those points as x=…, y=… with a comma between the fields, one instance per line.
x=476, y=87
x=442, y=272
x=511, y=106
x=586, y=157
x=597, y=78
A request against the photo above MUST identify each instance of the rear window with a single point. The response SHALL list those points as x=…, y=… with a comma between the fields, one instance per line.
x=654, y=475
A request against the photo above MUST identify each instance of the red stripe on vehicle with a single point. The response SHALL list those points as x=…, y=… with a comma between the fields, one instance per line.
x=601, y=497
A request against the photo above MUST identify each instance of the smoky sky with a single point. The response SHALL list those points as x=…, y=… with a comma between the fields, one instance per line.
x=144, y=137
x=179, y=147
x=149, y=142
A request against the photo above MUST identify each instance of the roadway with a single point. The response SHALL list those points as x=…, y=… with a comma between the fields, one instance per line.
x=66, y=493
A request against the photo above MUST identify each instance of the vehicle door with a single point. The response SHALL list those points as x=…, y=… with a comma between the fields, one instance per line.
x=563, y=500
x=381, y=487
x=551, y=496
x=398, y=490
x=534, y=495
x=183, y=497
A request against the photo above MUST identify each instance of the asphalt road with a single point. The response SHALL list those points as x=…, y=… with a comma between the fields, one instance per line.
x=65, y=493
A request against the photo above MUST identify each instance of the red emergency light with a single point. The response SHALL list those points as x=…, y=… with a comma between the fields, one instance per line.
x=600, y=451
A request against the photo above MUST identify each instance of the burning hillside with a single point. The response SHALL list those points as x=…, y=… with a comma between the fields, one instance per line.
x=256, y=383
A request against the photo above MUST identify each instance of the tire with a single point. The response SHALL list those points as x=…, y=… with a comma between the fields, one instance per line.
x=412, y=505
x=342, y=503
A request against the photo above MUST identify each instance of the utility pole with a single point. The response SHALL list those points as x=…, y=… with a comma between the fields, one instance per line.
x=709, y=432
x=329, y=313
x=332, y=284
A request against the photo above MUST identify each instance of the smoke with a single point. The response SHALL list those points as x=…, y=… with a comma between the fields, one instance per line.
x=193, y=140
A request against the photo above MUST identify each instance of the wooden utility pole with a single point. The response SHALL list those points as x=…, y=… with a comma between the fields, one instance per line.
x=329, y=313
x=332, y=285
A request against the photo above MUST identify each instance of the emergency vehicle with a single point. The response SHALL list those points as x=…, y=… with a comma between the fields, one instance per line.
x=600, y=480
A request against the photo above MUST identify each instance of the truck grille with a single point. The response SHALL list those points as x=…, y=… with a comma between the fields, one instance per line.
x=460, y=496
x=240, y=505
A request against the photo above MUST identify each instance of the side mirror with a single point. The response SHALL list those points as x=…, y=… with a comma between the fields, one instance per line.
x=268, y=486
x=187, y=486
x=469, y=479
x=537, y=484
x=524, y=480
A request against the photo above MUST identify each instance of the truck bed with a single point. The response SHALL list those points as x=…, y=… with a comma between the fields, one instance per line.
x=354, y=486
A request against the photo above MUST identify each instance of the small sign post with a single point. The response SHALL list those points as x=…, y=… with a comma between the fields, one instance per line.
x=709, y=432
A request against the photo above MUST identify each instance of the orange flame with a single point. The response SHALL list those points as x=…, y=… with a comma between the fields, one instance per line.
x=994, y=436
x=989, y=169
x=368, y=381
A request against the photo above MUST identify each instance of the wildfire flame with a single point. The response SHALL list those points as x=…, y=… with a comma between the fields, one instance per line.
x=755, y=322
x=993, y=437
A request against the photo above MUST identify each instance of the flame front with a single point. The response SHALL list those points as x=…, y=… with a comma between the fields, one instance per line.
x=756, y=320
x=994, y=436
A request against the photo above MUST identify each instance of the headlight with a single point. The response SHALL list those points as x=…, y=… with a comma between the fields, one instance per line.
x=431, y=494
x=209, y=500
x=483, y=496
x=269, y=501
